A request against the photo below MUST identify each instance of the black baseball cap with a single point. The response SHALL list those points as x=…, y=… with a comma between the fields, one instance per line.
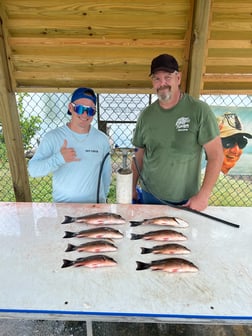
x=164, y=62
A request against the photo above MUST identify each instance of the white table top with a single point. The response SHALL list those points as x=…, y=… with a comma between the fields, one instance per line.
x=34, y=285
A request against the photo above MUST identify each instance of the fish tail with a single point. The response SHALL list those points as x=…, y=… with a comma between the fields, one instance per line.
x=142, y=266
x=145, y=250
x=68, y=219
x=135, y=223
x=67, y=263
x=69, y=234
x=70, y=247
x=135, y=236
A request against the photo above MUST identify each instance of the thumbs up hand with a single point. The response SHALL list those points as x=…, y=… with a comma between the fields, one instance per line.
x=68, y=153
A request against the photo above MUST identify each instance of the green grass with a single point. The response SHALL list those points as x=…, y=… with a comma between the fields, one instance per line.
x=229, y=191
x=112, y=191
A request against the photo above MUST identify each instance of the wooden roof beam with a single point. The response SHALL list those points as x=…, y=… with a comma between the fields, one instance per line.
x=198, y=50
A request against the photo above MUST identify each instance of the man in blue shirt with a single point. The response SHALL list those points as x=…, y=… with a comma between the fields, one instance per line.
x=77, y=155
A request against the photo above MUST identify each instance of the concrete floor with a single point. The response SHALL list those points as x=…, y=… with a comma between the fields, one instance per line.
x=11, y=327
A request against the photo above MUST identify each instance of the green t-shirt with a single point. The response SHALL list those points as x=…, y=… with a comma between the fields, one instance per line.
x=173, y=140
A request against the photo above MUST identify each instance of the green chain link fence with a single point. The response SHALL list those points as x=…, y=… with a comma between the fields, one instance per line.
x=117, y=115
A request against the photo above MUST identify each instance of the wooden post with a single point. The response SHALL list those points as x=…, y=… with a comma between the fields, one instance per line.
x=12, y=133
x=202, y=11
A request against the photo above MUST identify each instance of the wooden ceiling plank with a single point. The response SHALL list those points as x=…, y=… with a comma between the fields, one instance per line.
x=95, y=56
x=102, y=24
x=235, y=78
x=99, y=86
x=93, y=42
x=226, y=6
x=231, y=25
x=134, y=34
x=94, y=52
x=118, y=59
x=221, y=87
x=52, y=9
x=80, y=75
x=230, y=44
x=229, y=70
x=230, y=61
x=225, y=53
x=227, y=35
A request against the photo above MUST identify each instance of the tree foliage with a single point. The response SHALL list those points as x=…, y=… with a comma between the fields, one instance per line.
x=29, y=124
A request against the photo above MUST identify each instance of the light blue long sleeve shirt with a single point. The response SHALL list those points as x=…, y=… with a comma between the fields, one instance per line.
x=74, y=182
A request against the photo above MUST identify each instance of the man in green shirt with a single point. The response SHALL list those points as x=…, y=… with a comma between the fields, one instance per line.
x=170, y=136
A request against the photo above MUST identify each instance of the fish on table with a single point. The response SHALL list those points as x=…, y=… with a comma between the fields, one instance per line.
x=99, y=232
x=163, y=220
x=97, y=218
x=161, y=235
x=170, y=265
x=170, y=248
x=93, y=246
x=93, y=261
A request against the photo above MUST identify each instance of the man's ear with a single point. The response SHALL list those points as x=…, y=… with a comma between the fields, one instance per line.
x=70, y=108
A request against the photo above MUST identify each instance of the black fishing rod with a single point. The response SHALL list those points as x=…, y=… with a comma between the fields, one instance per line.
x=99, y=178
x=179, y=206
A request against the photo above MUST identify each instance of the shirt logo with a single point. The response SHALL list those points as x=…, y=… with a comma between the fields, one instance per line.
x=91, y=150
x=182, y=124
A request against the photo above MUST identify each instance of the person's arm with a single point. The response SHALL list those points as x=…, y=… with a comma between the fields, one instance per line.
x=139, y=154
x=214, y=153
x=46, y=160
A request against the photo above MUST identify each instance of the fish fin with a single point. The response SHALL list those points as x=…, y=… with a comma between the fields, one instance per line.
x=70, y=247
x=135, y=236
x=181, y=222
x=69, y=234
x=142, y=266
x=109, y=240
x=135, y=223
x=145, y=250
x=67, y=263
x=68, y=219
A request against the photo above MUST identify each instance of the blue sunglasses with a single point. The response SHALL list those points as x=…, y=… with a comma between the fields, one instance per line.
x=80, y=109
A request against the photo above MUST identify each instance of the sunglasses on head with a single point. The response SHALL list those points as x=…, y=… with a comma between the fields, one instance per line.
x=80, y=109
x=230, y=142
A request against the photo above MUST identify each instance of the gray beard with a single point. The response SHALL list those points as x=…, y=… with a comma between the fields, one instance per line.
x=164, y=97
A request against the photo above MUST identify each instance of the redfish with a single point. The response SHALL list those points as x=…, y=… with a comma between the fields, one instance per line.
x=165, y=220
x=170, y=248
x=93, y=261
x=162, y=235
x=100, y=232
x=96, y=218
x=93, y=246
x=170, y=265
